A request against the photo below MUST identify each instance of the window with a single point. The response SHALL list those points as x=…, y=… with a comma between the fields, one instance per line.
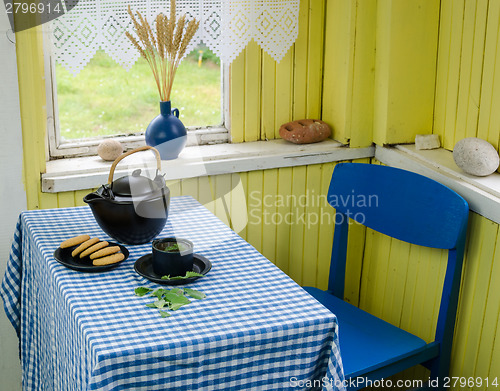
x=226, y=27
x=106, y=101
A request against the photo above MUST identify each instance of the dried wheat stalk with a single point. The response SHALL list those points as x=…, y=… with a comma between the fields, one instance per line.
x=164, y=51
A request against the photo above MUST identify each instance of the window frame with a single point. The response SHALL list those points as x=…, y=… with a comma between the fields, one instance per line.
x=57, y=149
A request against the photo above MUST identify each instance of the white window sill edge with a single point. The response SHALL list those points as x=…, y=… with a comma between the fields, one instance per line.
x=482, y=193
x=91, y=172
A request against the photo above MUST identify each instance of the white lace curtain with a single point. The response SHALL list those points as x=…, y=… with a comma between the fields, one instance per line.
x=226, y=28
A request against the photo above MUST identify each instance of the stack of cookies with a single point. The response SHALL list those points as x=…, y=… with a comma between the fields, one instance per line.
x=100, y=252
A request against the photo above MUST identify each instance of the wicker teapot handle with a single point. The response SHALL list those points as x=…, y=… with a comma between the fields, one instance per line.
x=144, y=148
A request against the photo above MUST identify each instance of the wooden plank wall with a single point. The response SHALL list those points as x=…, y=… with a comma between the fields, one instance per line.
x=349, y=70
x=405, y=69
x=467, y=98
x=468, y=72
x=380, y=70
x=275, y=93
x=33, y=110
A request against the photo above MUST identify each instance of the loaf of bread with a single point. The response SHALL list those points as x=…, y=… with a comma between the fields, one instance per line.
x=305, y=131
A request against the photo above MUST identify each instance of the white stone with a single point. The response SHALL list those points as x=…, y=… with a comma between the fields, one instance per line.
x=427, y=141
x=109, y=149
x=476, y=156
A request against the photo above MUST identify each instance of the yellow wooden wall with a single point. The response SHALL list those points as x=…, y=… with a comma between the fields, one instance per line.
x=33, y=110
x=367, y=68
x=468, y=72
x=349, y=67
x=380, y=67
x=266, y=94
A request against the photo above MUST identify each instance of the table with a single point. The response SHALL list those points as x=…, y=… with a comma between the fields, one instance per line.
x=256, y=329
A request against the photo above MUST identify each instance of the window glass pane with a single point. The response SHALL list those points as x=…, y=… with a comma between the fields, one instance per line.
x=105, y=99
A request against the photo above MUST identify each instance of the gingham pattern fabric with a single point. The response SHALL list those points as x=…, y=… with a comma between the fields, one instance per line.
x=256, y=329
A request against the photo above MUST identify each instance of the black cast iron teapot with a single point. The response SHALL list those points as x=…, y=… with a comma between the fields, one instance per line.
x=132, y=209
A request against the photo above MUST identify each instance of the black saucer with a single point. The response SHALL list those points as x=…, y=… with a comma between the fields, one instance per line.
x=63, y=255
x=144, y=267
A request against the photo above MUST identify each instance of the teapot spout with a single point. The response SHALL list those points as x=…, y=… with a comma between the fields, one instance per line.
x=101, y=194
x=92, y=197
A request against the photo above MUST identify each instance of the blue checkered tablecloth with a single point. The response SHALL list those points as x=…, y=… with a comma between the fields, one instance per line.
x=256, y=329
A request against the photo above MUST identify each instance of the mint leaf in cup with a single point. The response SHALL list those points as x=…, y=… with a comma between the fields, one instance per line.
x=188, y=275
x=193, y=274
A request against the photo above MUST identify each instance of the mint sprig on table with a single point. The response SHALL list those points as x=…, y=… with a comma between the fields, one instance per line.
x=169, y=299
x=188, y=275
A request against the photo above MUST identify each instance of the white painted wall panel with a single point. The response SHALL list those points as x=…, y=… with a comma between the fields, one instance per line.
x=12, y=193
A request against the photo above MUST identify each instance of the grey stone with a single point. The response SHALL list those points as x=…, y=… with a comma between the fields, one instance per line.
x=476, y=156
x=109, y=149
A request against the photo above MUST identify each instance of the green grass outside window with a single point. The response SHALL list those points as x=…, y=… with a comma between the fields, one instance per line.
x=105, y=99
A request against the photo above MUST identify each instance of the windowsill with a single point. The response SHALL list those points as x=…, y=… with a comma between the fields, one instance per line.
x=88, y=147
x=482, y=193
x=195, y=161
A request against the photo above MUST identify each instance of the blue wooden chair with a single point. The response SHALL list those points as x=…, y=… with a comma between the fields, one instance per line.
x=411, y=208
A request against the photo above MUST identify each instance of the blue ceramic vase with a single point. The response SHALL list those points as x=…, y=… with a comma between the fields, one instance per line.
x=167, y=133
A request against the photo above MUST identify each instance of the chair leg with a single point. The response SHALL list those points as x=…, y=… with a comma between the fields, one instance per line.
x=440, y=368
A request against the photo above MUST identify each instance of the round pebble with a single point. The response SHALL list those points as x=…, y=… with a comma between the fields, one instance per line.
x=476, y=156
x=109, y=149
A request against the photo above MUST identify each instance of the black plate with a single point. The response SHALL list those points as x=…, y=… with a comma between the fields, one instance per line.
x=144, y=266
x=63, y=255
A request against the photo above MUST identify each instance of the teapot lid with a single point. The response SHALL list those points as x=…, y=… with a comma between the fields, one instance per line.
x=135, y=185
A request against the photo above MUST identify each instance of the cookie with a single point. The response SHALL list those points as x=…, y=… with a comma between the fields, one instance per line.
x=74, y=241
x=83, y=246
x=104, y=252
x=108, y=260
x=94, y=248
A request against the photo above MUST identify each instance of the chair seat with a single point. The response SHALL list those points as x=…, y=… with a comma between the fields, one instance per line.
x=366, y=342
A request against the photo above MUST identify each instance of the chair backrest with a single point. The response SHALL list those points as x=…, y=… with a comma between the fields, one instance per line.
x=405, y=206
x=398, y=203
